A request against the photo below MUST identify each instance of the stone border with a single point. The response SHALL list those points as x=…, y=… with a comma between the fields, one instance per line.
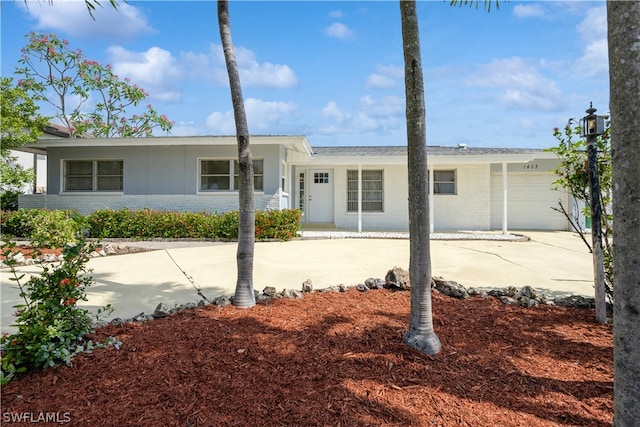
x=106, y=250
x=395, y=280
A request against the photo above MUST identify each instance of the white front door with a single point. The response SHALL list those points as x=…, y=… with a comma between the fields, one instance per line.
x=320, y=195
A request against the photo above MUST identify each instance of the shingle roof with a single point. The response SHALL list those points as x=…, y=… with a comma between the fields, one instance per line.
x=402, y=151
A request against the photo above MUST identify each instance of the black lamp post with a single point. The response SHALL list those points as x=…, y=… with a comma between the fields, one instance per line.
x=591, y=126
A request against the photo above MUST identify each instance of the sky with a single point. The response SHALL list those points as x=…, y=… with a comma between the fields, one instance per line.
x=334, y=70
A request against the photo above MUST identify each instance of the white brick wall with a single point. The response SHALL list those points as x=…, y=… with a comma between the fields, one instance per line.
x=470, y=208
x=88, y=203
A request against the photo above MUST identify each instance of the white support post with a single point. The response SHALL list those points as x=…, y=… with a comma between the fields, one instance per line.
x=431, y=209
x=359, y=198
x=505, y=203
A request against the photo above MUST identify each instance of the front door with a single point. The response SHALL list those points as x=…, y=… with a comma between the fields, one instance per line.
x=321, y=195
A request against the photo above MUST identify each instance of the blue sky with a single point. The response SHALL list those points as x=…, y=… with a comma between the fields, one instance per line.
x=333, y=71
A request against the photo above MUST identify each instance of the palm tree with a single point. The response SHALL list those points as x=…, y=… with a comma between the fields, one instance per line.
x=623, y=18
x=244, y=295
x=420, y=334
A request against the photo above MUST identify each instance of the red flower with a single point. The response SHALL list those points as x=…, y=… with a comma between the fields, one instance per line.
x=66, y=281
x=69, y=301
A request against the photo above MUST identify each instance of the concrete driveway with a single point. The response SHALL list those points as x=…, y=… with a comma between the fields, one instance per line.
x=555, y=263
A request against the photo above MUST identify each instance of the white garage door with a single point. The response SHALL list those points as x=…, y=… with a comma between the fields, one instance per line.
x=530, y=197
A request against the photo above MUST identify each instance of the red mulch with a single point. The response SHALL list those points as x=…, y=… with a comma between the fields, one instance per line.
x=337, y=360
x=28, y=251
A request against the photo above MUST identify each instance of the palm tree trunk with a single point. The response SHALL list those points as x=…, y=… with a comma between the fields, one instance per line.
x=623, y=21
x=244, y=294
x=420, y=334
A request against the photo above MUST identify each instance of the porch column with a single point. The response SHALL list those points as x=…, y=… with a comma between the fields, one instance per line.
x=431, y=210
x=359, y=198
x=505, y=204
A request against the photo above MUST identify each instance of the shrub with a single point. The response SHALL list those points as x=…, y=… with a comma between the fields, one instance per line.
x=282, y=225
x=227, y=227
x=55, y=228
x=51, y=326
x=45, y=228
x=18, y=223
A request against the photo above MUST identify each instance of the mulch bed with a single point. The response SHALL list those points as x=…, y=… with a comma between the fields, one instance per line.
x=337, y=360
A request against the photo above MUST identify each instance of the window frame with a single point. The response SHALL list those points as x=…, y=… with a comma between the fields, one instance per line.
x=231, y=175
x=95, y=176
x=454, y=182
x=353, y=200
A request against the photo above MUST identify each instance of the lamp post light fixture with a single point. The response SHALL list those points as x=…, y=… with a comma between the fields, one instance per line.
x=592, y=126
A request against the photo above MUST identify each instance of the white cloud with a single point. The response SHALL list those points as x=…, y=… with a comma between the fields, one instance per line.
x=185, y=128
x=212, y=67
x=594, y=62
x=339, y=31
x=336, y=14
x=155, y=70
x=520, y=84
x=72, y=17
x=387, y=76
x=594, y=25
x=523, y=11
x=262, y=117
x=265, y=116
x=387, y=107
x=332, y=110
x=222, y=123
x=373, y=115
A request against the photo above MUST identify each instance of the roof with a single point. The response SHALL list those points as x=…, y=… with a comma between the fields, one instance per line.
x=435, y=154
x=401, y=150
x=299, y=150
x=296, y=143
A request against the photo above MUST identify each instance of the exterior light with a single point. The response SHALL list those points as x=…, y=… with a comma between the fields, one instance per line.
x=591, y=124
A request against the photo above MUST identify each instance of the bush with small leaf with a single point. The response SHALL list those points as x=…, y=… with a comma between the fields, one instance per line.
x=51, y=328
x=44, y=227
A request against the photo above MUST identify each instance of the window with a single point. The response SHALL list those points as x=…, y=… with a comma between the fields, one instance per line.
x=321, y=177
x=301, y=190
x=444, y=182
x=93, y=175
x=372, y=191
x=224, y=175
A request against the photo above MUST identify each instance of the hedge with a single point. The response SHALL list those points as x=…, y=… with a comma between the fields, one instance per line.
x=51, y=228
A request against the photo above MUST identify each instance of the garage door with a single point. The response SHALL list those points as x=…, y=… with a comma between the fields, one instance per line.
x=530, y=198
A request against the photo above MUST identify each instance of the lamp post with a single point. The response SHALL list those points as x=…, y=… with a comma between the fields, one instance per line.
x=591, y=126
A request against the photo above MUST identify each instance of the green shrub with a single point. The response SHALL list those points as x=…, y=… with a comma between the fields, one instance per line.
x=45, y=228
x=148, y=224
x=18, y=223
x=227, y=227
x=51, y=326
x=55, y=228
x=282, y=225
x=103, y=223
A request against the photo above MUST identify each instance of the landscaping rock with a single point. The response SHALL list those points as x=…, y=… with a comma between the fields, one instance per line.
x=508, y=300
x=222, y=301
x=397, y=278
x=527, y=292
x=307, y=286
x=161, y=310
x=372, y=283
x=269, y=291
x=575, y=301
x=291, y=293
x=449, y=288
x=362, y=288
